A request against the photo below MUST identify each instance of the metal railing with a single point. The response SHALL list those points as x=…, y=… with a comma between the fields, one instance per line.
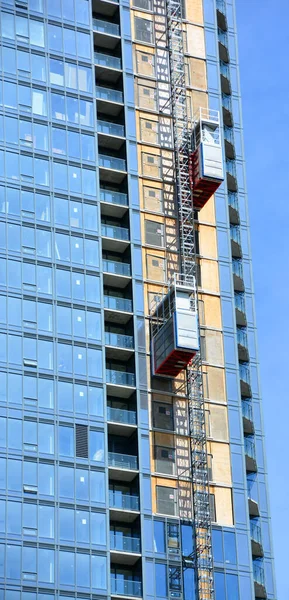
x=120, y=500
x=103, y=93
x=117, y=268
x=233, y=200
x=227, y=102
x=235, y=234
x=242, y=337
x=221, y=6
x=110, y=128
x=124, y=543
x=237, y=267
x=240, y=301
x=106, y=60
x=125, y=587
x=229, y=134
x=256, y=534
x=250, y=447
x=122, y=461
x=105, y=27
x=119, y=340
x=231, y=167
x=120, y=377
x=244, y=371
x=113, y=197
x=115, y=303
x=121, y=415
x=110, y=162
x=247, y=411
x=223, y=37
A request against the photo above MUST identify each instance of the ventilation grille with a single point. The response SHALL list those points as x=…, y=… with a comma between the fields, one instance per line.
x=81, y=441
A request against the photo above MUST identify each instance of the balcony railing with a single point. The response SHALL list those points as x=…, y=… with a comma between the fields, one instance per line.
x=106, y=60
x=117, y=268
x=105, y=27
x=120, y=415
x=256, y=534
x=259, y=576
x=235, y=234
x=247, y=411
x=119, y=340
x=242, y=337
x=244, y=373
x=123, y=501
x=231, y=167
x=115, y=303
x=221, y=6
x=227, y=102
x=124, y=543
x=113, y=197
x=122, y=461
x=222, y=36
x=110, y=128
x=233, y=200
x=250, y=447
x=125, y=587
x=110, y=162
x=224, y=69
x=229, y=134
x=237, y=268
x=120, y=377
x=103, y=93
x=115, y=232
x=240, y=302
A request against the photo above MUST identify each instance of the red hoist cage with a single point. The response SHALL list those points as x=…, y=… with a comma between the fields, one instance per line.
x=174, y=318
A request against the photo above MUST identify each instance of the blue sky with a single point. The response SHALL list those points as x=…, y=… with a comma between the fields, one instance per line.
x=264, y=55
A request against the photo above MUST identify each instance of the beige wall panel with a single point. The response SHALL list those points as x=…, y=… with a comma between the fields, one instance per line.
x=214, y=347
x=221, y=463
x=208, y=241
x=194, y=11
x=223, y=499
x=207, y=214
x=196, y=41
x=198, y=74
x=199, y=100
x=214, y=383
x=218, y=422
x=212, y=311
x=210, y=275
x=164, y=439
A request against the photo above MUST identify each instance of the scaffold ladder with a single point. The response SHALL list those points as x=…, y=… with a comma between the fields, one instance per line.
x=182, y=147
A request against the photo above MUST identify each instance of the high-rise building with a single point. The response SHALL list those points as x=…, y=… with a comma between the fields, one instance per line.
x=131, y=442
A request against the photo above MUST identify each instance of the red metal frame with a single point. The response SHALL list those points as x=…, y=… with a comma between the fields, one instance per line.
x=202, y=188
x=175, y=362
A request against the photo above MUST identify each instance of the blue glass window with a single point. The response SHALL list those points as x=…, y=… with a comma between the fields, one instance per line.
x=159, y=536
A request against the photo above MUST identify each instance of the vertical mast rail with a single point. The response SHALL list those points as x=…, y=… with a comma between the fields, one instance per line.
x=182, y=147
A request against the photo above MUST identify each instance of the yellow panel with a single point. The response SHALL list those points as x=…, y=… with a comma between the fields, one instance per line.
x=196, y=41
x=214, y=347
x=224, y=509
x=194, y=11
x=200, y=100
x=210, y=275
x=218, y=422
x=212, y=311
x=207, y=213
x=214, y=383
x=198, y=73
x=208, y=241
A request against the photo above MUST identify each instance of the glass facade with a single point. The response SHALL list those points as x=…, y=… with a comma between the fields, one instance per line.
x=93, y=447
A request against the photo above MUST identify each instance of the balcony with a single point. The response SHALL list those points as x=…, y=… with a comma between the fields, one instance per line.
x=253, y=507
x=225, y=78
x=227, y=110
x=245, y=384
x=223, y=45
x=124, y=466
x=123, y=507
x=121, y=421
x=107, y=67
x=259, y=581
x=109, y=101
x=250, y=455
x=237, y=268
x=114, y=237
x=120, y=383
x=105, y=33
x=113, y=203
x=124, y=549
x=116, y=274
x=247, y=412
x=233, y=208
x=125, y=587
x=107, y=8
x=240, y=309
x=117, y=310
x=231, y=175
x=242, y=338
x=110, y=135
x=111, y=168
x=119, y=346
x=256, y=540
x=229, y=142
x=221, y=15
x=235, y=235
